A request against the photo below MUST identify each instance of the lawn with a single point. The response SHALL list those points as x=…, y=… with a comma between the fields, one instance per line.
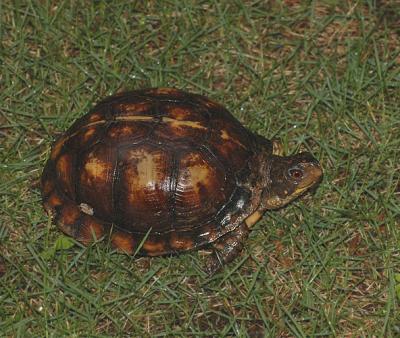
x=322, y=76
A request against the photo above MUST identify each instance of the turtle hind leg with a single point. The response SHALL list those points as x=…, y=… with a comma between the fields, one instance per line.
x=71, y=218
x=226, y=249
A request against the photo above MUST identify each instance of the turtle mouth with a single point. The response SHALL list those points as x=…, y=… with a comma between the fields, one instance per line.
x=313, y=176
x=301, y=191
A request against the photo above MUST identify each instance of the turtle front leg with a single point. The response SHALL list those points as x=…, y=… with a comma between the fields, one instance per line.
x=226, y=249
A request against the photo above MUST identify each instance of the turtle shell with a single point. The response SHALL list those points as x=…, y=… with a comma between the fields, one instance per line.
x=159, y=167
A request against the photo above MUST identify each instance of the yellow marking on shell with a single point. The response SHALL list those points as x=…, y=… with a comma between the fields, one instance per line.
x=253, y=218
x=62, y=165
x=225, y=136
x=59, y=144
x=146, y=170
x=88, y=133
x=134, y=118
x=128, y=118
x=199, y=175
x=143, y=176
x=96, y=169
x=181, y=123
x=57, y=147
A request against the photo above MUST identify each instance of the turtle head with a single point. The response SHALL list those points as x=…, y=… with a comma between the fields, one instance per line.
x=291, y=176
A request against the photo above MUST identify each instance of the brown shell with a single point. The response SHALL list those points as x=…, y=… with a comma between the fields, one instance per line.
x=161, y=167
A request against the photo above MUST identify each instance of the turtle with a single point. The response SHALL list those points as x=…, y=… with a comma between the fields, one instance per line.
x=162, y=171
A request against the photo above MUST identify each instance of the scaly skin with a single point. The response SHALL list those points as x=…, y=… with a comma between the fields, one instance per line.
x=226, y=249
x=289, y=177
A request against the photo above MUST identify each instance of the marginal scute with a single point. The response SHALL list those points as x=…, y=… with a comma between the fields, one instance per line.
x=55, y=200
x=123, y=241
x=89, y=132
x=56, y=150
x=154, y=248
x=180, y=242
x=84, y=137
x=69, y=214
x=90, y=229
x=65, y=169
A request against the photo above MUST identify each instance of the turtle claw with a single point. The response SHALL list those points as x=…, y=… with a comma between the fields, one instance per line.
x=277, y=147
x=213, y=265
x=226, y=249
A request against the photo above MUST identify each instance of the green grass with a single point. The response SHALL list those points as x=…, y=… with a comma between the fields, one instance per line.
x=320, y=75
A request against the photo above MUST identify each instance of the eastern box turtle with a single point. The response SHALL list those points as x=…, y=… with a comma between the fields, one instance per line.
x=164, y=171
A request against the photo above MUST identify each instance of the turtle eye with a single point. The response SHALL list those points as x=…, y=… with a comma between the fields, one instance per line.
x=295, y=173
